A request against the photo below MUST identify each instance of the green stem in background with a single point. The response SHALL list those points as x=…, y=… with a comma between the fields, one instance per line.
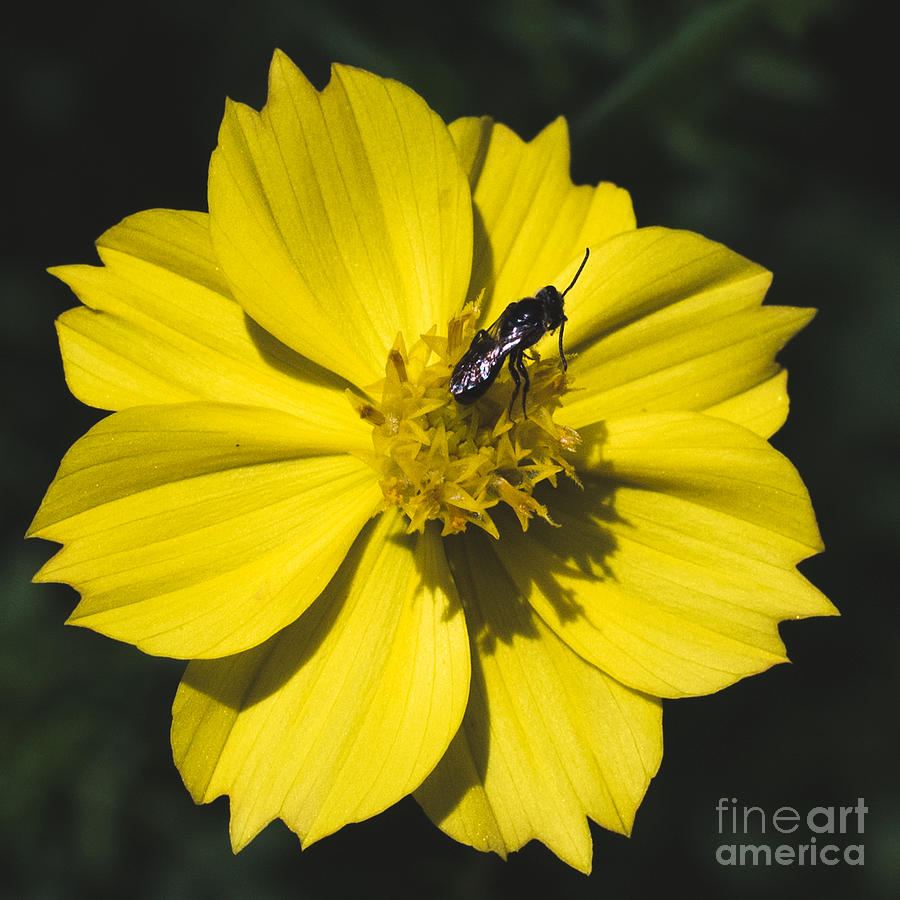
x=703, y=37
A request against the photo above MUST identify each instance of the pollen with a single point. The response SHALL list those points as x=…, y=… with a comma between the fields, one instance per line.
x=439, y=459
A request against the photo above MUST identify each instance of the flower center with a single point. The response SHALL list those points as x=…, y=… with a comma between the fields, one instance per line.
x=439, y=459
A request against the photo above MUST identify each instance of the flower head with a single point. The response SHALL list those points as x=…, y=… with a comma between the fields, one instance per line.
x=381, y=590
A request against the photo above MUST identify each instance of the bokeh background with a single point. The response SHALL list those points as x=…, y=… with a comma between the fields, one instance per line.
x=765, y=125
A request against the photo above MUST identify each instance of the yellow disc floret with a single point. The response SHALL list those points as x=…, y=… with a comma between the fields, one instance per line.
x=438, y=459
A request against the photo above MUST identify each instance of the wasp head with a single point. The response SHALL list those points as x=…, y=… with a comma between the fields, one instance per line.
x=551, y=304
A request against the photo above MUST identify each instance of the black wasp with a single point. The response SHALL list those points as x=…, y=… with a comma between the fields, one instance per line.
x=522, y=324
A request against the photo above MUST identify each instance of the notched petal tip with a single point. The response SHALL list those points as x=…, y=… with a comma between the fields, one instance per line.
x=549, y=740
x=700, y=533
x=225, y=507
x=347, y=204
x=362, y=695
x=533, y=221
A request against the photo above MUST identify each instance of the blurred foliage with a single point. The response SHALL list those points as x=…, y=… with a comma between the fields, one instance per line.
x=763, y=124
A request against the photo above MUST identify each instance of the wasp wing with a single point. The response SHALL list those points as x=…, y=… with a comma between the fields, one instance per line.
x=478, y=367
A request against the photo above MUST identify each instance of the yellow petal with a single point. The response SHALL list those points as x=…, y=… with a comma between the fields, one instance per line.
x=667, y=320
x=345, y=711
x=646, y=271
x=159, y=326
x=341, y=217
x=532, y=221
x=199, y=530
x=762, y=408
x=547, y=741
x=673, y=567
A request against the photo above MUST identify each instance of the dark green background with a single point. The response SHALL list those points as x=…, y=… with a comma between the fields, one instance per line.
x=762, y=125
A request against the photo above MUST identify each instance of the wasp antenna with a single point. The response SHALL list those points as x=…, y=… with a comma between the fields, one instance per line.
x=587, y=253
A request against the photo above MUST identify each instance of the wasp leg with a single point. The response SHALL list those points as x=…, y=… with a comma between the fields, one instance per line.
x=512, y=371
x=520, y=366
x=562, y=355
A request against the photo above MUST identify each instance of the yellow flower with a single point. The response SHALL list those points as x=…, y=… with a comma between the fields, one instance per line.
x=383, y=591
